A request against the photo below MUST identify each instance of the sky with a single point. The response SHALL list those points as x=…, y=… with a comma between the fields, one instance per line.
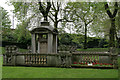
x=9, y=9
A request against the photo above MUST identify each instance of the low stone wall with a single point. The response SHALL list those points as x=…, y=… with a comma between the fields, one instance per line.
x=36, y=59
x=90, y=57
x=101, y=58
x=29, y=59
x=61, y=59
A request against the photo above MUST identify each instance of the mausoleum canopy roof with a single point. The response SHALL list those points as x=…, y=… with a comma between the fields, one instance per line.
x=43, y=28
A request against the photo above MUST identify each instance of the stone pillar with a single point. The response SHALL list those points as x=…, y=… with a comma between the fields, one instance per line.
x=55, y=43
x=33, y=41
x=38, y=43
x=38, y=46
x=50, y=42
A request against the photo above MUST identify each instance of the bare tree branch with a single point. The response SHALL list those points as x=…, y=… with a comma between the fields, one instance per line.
x=108, y=11
x=58, y=6
x=51, y=18
x=53, y=6
x=48, y=7
x=89, y=21
x=43, y=11
x=116, y=9
x=41, y=8
x=52, y=13
x=65, y=20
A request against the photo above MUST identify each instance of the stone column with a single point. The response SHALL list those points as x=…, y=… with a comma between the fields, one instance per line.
x=33, y=41
x=55, y=43
x=38, y=43
x=38, y=46
x=50, y=42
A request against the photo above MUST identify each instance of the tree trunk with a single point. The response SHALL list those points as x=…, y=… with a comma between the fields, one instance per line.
x=44, y=10
x=112, y=33
x=85, y=42
x=119, y=27
x=118, y=38
x=55, y=24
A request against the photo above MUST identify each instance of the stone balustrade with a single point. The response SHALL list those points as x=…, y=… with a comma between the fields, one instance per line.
x=61, y=59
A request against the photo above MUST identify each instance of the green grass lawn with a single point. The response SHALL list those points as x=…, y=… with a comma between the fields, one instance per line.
x=52, y=72
x=119, y=62
x=119, y=66
x=46, y=72
x=0, y=67
x=94, y=49
x=2, y=50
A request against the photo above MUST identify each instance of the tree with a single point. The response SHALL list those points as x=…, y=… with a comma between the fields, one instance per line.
x=24, y=12
x=22, y=34
x=54, y=13
x=20, y=10
x=113, y=27
x=57, y=14
x=6, y=24
x=118, y=26
x=83, y=15
x=42, y=8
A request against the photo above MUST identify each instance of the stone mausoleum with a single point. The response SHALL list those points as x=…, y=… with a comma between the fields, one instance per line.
x=44, y=39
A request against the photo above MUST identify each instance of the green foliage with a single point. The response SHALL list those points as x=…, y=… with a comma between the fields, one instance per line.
x=6, y=24
x=22, y=34
x=65, y=38
x=70, y=39
x=23, y=50
x=2, y=50
x=92, y=14
x=25, y=11
x=118, y=20
x=7, y=35
x=78, y=40
x=94, y=42
x=82, y=13
x=20, y=9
